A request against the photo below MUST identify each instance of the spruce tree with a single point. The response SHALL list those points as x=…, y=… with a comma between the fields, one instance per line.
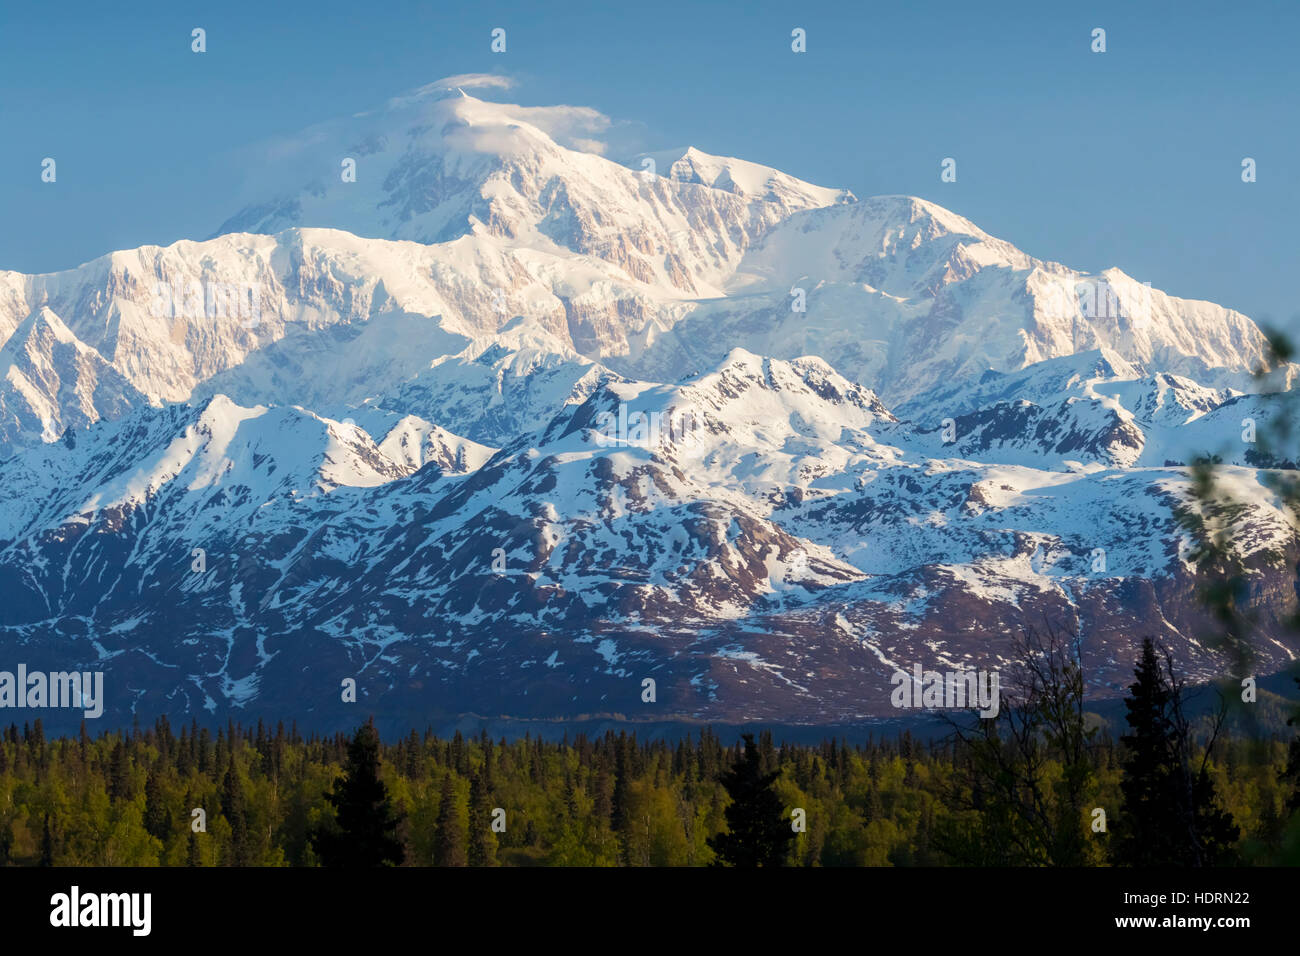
x=480, y=823
x=570, y=798
x=449, y=840
x=204, y=751
x=6, y=839
x=618, y=802
x=38, y=743
x=758, y=833
x=47, y=844
x=157, y=818
x=232, y=808
x=1147, y=782
x=366, y=831
x=601, y=794
x=413, y=755
x=119, y=778
x=1291, y=772
x=460, y=754
x=1170, y=814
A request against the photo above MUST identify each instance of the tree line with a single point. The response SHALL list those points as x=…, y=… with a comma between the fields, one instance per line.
x=1041, y=784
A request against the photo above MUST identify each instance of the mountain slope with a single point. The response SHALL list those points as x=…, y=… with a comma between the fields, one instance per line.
x=504, y=428
x=905, y=296
x=765, y=538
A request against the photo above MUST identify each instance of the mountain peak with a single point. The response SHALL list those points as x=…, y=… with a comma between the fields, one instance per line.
x=440, y=164
x=737, y=176
x=41, y=320
x=449, y=87
x=914, y=209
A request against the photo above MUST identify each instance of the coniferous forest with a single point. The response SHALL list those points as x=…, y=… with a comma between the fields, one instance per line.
x=1043, y=788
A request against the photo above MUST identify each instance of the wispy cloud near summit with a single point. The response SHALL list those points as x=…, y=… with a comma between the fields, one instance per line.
x=577, y=127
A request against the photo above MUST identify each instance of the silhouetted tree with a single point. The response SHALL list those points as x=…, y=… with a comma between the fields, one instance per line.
x=232, y=808
x=157, y=819
x=119, y=776
x=758, y=833
x=365, y=833
x=480, y=822
x=1170, y=814
x=47, y=844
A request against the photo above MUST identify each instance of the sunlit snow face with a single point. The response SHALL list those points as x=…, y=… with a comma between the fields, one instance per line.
x=385, y=358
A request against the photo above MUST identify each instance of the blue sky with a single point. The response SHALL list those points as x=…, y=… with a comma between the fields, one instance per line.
x=1129, y=158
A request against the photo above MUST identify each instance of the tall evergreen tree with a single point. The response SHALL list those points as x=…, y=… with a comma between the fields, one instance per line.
x=157, y=818
x=1150, y=794
x=366, y=830
x=232, y=808
x=602, y=790
x=618, y=801
x=481, y=842
x=203, y=748
x=758, y=833
x=119, y=777
x=460, y=754
x=570, y=798
x=6, y=840
x=1291, y=772
x=449, y=840
x=47, y=844
x=1170, y=814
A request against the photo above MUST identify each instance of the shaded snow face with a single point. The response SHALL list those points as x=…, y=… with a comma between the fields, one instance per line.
x=796, y=544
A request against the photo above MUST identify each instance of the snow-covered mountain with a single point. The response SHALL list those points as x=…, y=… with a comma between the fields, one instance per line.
x=906, y=296
x=771, y=541
x=53, y=382
x=438, y=165
x=504, y=427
